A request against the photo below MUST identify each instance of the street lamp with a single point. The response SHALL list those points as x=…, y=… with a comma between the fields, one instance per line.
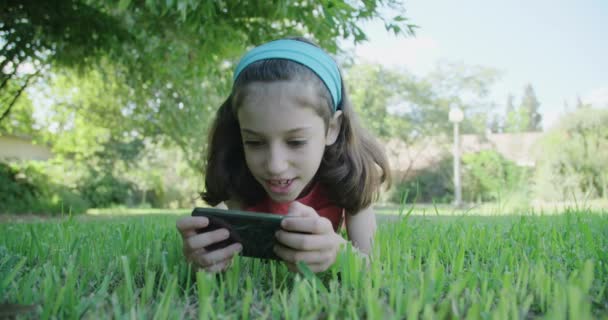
x=456, y=116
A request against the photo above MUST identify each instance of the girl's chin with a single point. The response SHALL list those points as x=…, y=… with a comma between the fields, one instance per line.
x=282, y=198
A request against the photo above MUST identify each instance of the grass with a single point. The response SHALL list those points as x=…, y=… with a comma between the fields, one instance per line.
x=430, y=267
x=499, y=208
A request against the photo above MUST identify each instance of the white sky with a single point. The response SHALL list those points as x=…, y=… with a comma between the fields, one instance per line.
x=560, y=47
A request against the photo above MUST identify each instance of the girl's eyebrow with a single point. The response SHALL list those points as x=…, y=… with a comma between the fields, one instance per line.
x=295, y=130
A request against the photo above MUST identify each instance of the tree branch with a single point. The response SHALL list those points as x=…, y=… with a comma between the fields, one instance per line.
x=8, y=77
x=12, y=103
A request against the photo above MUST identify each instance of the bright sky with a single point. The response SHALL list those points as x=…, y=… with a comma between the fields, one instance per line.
x=560, y=47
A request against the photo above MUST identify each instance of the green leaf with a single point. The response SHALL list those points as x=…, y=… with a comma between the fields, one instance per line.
x=123, y=5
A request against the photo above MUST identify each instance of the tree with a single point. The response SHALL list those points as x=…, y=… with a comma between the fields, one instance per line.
x=496, y=126
x=33, y=34
x=511, y=116
x=526, y=116
x=20, y=120
x=466, y=86
x=203, y=43
x=574, y=157
x=580, y=104
x=395, y=104
x=530, y=109
x=371, y=89
x=515, y=118
x=174, y=57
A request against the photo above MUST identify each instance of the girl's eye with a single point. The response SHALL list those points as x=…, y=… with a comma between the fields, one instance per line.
x=253, y=143
x=296, y=143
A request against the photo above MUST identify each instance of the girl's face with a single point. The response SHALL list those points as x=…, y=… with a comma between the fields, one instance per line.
x=283, y=136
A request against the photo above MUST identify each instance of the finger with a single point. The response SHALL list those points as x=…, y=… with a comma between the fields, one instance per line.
x=303, y=242
x=319, y=267
x=217, y=256
x=200, y=241
x=297, y=209
x=292, y=267
x=187, y=226
x=316, y=267
x=308, y=257
x=314, y=225
x=218, y=267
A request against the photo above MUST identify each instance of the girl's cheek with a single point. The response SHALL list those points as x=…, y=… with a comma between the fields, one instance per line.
x=254, y=160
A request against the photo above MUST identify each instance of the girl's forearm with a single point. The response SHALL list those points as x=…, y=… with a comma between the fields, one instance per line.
x=354, y=249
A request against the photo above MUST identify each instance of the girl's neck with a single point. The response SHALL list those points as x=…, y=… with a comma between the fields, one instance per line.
x=307, y=189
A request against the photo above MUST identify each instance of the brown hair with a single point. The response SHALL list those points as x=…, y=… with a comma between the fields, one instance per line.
x=351, y=171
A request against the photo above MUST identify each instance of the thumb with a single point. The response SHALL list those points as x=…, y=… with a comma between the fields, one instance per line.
x=297, y=209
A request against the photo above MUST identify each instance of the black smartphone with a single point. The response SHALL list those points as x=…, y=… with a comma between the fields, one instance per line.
x=255, y=231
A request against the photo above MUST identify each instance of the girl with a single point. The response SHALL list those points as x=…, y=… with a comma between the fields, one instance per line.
x=287, y=141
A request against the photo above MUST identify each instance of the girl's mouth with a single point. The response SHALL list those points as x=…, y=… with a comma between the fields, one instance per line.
x=281, y=186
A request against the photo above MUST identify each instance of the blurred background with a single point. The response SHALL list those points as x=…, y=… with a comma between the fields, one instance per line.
x=107, y=104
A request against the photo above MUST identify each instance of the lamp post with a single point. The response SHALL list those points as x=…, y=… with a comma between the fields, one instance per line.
x=456, y=116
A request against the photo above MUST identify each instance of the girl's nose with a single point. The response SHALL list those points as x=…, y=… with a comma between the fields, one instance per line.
x=276, y=161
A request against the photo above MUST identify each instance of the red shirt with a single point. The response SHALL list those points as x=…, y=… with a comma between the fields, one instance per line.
x=316, y=199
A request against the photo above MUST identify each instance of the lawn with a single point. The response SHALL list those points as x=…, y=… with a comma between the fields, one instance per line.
x=461, y=266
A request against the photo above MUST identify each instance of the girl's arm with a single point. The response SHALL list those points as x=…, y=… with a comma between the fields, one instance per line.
x=361, y=229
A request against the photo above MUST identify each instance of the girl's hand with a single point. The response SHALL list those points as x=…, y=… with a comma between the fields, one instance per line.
x=195, y=243
x=307, y=237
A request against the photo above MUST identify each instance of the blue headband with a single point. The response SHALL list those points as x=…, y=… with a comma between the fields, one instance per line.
x=304, y=53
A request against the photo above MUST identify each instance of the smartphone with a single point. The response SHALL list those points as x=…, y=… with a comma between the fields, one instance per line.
x=255, y=231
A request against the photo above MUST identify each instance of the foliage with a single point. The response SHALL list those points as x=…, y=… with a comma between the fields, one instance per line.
x=202, y=42
x=123, y=76
x=174, y=57
x=526, y=117
x=372, y=89
x=530, y=105
x=515, y=119
x=487, y=175
x=397, y=104
x=20, y=120
x=102, y=189
x=432, y=184
x=87, y=123
x=424, y=267
x=62, y=33
x=574, y=158
x=25, y=188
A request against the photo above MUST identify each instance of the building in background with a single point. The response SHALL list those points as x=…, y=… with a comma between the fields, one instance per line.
x=406, y=160
x=20, y=148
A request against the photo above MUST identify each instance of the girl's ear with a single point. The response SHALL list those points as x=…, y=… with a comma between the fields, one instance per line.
x=335, y=123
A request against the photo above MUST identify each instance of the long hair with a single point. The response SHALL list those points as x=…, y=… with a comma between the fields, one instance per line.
x=352, y=169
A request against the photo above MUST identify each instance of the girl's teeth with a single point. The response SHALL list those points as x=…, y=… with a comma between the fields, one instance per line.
x=279, y=182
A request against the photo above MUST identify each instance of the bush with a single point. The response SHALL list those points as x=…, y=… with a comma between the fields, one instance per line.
x=104, y=190
x=574, y=157
x=433, y=184
x=487, y=175
x=25, y=188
